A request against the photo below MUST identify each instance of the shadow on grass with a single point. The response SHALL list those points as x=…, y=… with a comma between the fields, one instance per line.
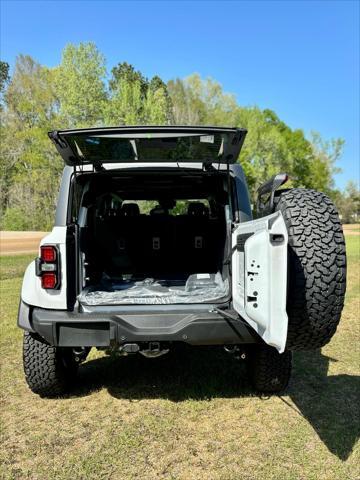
x=184, y=373
x=329, y=403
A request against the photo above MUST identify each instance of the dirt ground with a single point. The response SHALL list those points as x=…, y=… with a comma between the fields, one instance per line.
x=352, y=229
x=12, y=243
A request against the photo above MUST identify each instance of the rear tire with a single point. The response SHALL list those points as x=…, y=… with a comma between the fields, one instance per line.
x=317, y=267
x=49, y=371
x=269, y=370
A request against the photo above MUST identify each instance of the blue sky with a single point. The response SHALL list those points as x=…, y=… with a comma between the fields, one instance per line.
x=300, y=59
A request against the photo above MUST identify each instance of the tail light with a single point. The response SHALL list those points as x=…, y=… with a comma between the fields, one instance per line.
x=48, y=253
x=48, y=267
x=48, y=280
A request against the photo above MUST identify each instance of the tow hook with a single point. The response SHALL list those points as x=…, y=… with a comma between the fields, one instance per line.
x=154, y=350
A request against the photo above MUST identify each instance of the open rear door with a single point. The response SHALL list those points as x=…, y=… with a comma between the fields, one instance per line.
x=149, y=144
x=259, y=276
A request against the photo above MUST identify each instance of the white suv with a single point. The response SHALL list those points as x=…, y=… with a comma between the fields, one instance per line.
x=155, y=243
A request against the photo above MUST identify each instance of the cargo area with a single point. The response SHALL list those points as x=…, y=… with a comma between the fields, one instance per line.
x=153, y=237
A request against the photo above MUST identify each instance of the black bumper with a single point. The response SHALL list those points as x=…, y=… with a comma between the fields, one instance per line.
x=67, y=329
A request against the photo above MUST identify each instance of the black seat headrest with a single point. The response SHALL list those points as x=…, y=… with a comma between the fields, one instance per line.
x=197, y=209
x=130, y=210
x=159, y=210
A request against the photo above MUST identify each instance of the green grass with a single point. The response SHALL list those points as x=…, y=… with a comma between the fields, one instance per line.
x=14, y=266
x=189, y=415
x=352, y=248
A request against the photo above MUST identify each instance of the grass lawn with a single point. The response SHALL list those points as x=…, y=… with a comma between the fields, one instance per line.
x=188, y=415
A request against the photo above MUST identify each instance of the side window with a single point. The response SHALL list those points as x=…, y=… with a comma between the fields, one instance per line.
x=243, y=207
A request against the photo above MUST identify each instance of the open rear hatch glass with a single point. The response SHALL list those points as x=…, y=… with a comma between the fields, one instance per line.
x=96, y=146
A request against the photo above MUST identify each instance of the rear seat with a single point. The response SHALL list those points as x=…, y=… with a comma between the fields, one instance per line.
x=193, y=236
x=160, y=243
x=120, y=229
x=157, y=242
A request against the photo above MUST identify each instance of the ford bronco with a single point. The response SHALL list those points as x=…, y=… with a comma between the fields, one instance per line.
x=155, y=243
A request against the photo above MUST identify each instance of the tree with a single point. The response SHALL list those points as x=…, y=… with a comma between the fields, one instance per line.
x=80, y=86
x=126, y=72
x=4, y=79
x=33, y=192
x=125, y=106
x=29, y=165
x=159, y=102
x=348, y=203
x=75, y=94
x=326, y=154
x=270, y=147
x=136, y=100
x=4, y=74
x=156, y=107
x=201, y=102
x=30, y=96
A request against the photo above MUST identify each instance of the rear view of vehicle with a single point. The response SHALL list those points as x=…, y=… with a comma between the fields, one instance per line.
x=154, y=244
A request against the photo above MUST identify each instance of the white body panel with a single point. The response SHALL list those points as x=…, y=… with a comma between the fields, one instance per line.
x=31, y=292
x=259, y=277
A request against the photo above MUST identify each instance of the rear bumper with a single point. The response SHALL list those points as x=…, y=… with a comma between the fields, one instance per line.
x=68, y=329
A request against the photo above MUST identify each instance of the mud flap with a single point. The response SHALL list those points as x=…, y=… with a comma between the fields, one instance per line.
x=259, y=277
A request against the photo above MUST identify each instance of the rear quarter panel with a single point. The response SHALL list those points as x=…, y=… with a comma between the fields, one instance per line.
x=31, y=292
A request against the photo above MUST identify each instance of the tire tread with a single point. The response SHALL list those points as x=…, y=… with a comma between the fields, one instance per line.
x=45, y=371
x=317, y=262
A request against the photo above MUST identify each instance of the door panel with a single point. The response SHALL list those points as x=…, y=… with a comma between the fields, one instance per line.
x=259, y=277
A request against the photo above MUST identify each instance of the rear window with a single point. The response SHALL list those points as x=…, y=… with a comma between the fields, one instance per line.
x=110, y=205
x=152, y=148
x=179, y=207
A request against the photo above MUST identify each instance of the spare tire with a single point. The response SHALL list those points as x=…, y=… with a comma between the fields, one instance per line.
x=317, y=267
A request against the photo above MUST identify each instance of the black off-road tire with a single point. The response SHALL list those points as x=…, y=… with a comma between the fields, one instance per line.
x=317, y=267
x=269, y=371
x=49, y=371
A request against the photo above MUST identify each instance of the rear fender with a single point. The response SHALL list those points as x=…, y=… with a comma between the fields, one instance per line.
x=31, y=292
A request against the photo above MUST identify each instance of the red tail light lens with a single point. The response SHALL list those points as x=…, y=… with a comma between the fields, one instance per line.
x=47, y=267
x=48, y=280
x=48, y=253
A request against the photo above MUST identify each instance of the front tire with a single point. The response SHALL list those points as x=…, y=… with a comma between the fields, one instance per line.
x=269, y=371
x=49, y=370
